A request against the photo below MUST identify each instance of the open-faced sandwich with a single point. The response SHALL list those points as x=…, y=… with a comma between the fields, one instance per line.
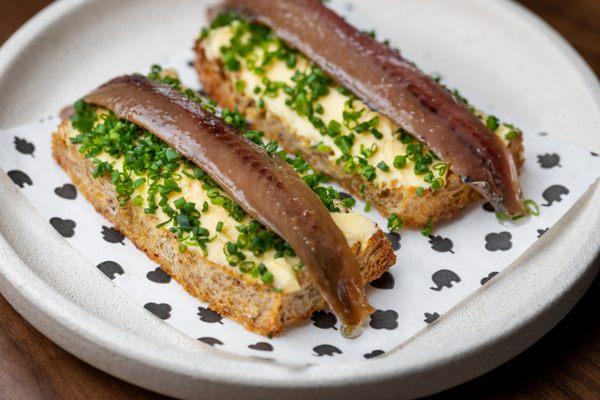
x=237, y=222
x=358, y=111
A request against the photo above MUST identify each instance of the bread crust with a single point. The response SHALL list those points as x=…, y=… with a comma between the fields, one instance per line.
x=237, y=296
x=415, y=211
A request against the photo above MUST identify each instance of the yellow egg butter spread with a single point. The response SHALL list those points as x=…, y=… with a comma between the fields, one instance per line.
x=158, y=181
x=313, y=107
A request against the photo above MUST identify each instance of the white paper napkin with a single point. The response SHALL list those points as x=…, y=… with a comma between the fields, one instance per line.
x=432, y=273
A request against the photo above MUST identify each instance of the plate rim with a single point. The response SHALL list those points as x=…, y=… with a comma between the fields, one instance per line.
x=22, y=286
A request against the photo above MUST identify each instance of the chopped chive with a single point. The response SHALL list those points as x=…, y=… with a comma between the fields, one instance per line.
x=240, y=85
x=267, y=277
x=348, y=202
x=138, y=200
x=180, y=202
x=323, y=148
x=394, y=223
x=172, y=154
x=247, y=266
x=426, y=231
x=532, y=207
x=511, y=135
x=262, y=268
x=492, y=123
x=383, y=166
x=399, y=162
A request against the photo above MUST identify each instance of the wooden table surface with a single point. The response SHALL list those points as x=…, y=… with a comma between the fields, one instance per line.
x=565, y=364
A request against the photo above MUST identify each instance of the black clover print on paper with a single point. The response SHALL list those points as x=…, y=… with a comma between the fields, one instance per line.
x=211, y=341
x=65, y=227
x=111, y=269
x=431, y=317
x=488, y=207
x=540, y=232
x=441, y=244
x=554, y=194
x=394, y=239
x=261, y=346
x=549, y=160
x=385, y=281
x=23, y=146
x=161, y=310
x=487, y=278
x=498, y=241
x=384, y=319
x=374, y=354
x=444, y=278
x=324, y=319
x=158, y=276
x=66, y=191
x=209, y=316
x=326, y=350
x=19, y=178
x=111, y=235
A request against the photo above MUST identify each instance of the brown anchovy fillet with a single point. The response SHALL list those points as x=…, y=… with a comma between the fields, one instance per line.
x=387, y=82
x=266, y=187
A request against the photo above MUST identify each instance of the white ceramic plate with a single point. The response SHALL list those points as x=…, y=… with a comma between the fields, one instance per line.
x=501, y=56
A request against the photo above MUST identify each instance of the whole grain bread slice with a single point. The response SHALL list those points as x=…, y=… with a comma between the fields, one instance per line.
x=415, y=210
x=247, y=301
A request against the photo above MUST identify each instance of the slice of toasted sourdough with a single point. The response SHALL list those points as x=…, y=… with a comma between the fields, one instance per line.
x=250, y=302
x=415, y=206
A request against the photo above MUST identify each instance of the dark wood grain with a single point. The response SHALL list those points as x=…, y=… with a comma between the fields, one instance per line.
x=577, y=20
x=32, y=367
x=565, y=364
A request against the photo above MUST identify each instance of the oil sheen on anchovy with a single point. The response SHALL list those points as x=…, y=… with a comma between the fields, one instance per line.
x=266, y=187
x=394, y=86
